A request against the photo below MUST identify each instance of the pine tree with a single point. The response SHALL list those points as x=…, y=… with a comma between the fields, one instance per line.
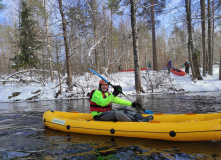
x=150, y=8
x=1, y=5
x=28, y=42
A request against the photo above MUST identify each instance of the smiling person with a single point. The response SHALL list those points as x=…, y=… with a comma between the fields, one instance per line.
x=101, y=105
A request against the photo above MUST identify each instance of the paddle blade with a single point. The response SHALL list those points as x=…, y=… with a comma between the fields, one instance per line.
x=148, y=112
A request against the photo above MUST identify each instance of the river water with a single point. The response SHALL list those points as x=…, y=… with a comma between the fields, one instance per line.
x=24, y=136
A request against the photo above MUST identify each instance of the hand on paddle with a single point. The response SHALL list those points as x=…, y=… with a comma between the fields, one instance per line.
x=136, y=105
x=117, y=90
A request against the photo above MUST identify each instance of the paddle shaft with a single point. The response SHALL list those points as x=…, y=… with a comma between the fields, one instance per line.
x=126, y=96
x=121, y=92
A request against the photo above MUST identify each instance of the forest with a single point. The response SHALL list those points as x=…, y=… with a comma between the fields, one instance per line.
x=70, y=36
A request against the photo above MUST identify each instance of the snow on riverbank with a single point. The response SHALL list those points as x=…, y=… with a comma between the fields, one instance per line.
x=10, y=92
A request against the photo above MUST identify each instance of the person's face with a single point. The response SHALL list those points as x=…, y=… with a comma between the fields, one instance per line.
x=104, y=87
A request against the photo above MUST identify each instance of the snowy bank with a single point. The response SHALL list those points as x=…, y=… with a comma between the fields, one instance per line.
x=152, y=82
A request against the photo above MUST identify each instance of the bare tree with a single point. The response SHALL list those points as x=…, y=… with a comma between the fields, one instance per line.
x=193, y=52
x=48, y=45
x=210, y=72
x=203, y=24
x=155, y=68
x=138, y=86
x=220, y=66
x=68, y=60
x=95, y=30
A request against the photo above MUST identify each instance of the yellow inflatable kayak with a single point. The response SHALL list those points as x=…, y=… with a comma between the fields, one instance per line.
x=171, y=127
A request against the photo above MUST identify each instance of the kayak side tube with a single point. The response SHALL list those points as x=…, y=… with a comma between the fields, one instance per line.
x=191, y=130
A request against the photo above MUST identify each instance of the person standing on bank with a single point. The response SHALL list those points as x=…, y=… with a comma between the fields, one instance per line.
x=101, y=105
x=187, y=66
x=169, y=65
x=149, y=66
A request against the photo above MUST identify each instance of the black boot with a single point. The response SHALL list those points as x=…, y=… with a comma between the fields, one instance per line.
x=147, y=119
x=140, y=118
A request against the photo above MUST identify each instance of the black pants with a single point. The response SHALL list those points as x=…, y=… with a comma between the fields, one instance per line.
x=113, y=116
x=123, y=114
x=168, y=69
x=187, y=69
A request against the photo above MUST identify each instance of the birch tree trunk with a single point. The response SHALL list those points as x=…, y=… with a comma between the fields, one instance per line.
x=138, y=86
x=48, y=41
x=68, y=58
x=58, y=66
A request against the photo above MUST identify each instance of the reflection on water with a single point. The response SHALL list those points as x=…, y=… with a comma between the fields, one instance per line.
x=41, y=106
x=23, y=135
x=202, y=102
x=104, y=145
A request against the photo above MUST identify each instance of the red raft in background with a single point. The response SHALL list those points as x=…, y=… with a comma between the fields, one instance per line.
x=177, y=71
x=142, y=69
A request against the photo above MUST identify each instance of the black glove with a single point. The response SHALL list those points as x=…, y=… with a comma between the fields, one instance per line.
x=136, y=105
x=117, y=90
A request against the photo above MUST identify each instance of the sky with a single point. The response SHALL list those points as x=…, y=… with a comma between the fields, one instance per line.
x=5, y=14
x=2, y=15
x=166, y=19
x=86, y=83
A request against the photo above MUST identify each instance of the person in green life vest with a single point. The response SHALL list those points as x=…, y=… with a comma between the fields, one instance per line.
x=187, y=66
x=101, y=105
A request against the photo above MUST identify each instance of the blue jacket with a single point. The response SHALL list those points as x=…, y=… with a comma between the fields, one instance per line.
x=169, y=64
